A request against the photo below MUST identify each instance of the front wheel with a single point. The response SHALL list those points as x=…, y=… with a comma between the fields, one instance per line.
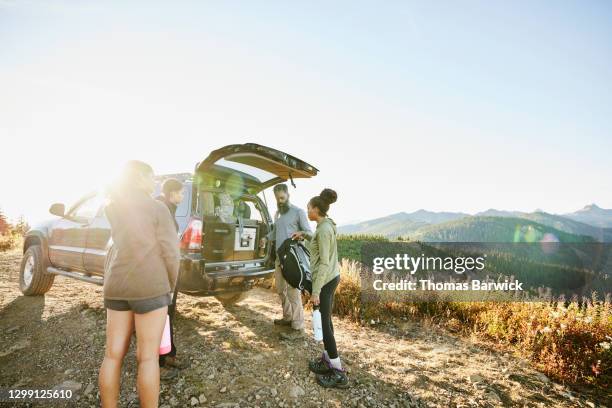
x=228, y=299
x=33, y=278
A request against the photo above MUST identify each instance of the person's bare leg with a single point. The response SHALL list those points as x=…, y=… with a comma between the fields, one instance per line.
x=119, y=328
x=149, y=328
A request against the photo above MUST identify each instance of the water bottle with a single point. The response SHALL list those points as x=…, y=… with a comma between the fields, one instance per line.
x=317, y=326
x=166, y=345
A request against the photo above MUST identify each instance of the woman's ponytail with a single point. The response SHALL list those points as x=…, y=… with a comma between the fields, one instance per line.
x=323, y=200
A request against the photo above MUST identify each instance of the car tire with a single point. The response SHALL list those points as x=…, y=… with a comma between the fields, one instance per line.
x=229, y=299
x=33, y=277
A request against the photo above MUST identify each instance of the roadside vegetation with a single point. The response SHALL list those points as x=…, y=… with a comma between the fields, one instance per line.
x=568, y=340
x=11, y=236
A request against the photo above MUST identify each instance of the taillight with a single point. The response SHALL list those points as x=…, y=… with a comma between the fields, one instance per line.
x=192, y=237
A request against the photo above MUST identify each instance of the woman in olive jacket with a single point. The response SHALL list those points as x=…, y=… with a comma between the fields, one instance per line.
x=139, y=282
x=325, y=278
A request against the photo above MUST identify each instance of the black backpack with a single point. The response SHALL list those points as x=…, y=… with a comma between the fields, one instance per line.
x=294, y=259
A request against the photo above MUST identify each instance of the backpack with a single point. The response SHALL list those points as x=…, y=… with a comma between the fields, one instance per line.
x=294, y=260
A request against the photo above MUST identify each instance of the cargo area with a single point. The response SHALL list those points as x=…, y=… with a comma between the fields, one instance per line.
x=232, y=228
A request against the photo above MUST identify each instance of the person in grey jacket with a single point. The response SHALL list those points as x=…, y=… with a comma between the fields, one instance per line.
x=139, y=283
x=289, y=220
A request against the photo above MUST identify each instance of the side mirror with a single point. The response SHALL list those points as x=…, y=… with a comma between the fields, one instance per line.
x=58, y=209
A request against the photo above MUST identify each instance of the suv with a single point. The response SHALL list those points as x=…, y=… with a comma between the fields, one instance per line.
x=221, y=222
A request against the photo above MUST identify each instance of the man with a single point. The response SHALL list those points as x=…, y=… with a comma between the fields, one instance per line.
x=172, y=195
x=289, y=219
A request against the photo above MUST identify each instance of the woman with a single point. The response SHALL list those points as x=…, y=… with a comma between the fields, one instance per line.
x=325, y=279
x=139, y=282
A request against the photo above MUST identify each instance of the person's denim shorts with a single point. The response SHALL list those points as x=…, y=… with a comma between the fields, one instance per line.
x=139, y=306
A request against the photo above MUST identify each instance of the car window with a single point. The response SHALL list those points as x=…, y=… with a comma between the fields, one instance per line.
x=183, y=208
x=210, y=203
x=248, y=210
x=206, y=203
x=89, y=208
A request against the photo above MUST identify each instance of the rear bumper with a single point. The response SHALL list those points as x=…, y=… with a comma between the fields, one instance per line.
x=201, y=278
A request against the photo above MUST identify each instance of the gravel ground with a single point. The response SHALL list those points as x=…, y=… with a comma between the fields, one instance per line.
x=237, y=359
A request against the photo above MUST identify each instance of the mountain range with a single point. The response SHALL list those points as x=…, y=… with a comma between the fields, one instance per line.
x=592, y=215
x=490, y=225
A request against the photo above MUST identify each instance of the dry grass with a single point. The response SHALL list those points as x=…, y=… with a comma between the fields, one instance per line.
x=568, y=340
x=10, y=241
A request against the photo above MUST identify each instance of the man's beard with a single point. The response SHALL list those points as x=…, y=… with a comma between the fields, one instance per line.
x=283, y=207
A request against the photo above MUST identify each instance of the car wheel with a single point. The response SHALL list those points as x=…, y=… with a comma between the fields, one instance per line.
x=33, y=278
x=228, y=299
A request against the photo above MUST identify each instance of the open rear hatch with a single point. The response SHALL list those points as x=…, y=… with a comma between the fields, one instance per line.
x=228, y=234
x=279, y=165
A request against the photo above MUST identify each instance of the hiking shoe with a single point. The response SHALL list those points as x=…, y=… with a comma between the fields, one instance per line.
x=167, y=373
x=282, y=322
x=334, y=379
x=319, y=366
x=292, y=335
x=175, y=362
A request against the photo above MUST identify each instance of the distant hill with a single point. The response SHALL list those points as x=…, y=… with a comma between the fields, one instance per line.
x=432, y=217
x=556, y=221
x=492, y=229
x=491, y=212
x=592, y=215
x=399, y=224
x=421, y=222
x=571, y=226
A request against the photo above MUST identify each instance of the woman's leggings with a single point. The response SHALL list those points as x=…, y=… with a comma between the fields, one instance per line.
x=326, y=299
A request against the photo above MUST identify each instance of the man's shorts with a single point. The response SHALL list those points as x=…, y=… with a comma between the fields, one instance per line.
x=139, y=306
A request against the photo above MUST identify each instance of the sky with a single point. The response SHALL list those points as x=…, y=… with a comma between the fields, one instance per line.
x=446, y=106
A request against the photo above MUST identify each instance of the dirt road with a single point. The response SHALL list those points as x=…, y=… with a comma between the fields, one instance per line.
x=237, y=358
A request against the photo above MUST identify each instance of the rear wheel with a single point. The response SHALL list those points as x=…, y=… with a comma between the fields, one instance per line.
x=33, y=278
x=228, y=299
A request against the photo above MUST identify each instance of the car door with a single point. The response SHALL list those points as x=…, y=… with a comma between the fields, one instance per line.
x=68, y=237
x=98, y=243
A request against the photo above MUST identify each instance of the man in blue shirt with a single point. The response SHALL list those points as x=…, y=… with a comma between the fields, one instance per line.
x=288, y=220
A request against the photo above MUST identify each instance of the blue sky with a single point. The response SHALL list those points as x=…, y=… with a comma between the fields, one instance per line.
x=458, y=106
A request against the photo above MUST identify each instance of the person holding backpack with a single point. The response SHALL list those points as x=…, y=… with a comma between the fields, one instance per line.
x=325, y=278
x=288, y=220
